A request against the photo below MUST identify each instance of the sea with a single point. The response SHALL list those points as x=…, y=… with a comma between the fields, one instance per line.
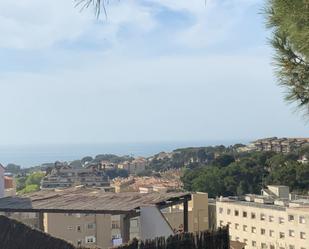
x=33, y=155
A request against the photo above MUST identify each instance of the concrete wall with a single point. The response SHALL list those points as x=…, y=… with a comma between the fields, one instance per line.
x=2, y=192
x=153, y=224
x=77, y=228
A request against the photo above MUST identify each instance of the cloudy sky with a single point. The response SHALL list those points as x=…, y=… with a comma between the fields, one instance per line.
x=153, y=70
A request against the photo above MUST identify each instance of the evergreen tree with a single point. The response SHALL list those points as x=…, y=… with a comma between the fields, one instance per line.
x=289, y=21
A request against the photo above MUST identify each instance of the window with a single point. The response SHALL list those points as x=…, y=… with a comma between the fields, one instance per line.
x=244, y=214
x=271, y=218
x=291, y=217
x=237, y=238
x=220, y=210
x=228, y=211
x=245, y=228
x=253, y=243
x=79, y=242
x=91, y=226
x=263, y=216
x=271, y=233
x=302, y=220
x=281, y=235
x=291, y=247
x=90, y=239
x=246, y=241
x=271, y=247
x=134, y=223
x=291, y=233
x=281, y=220
x=78, y=228
x=221, y=223
x=263, y=231
x=236, y=213
x=253, y=215
x=263, y=246
x=236, y=226
x=253, y=229
x=302, y=235
x=229, y=224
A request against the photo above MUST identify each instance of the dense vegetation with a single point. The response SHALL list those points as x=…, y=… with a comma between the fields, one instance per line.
x=29, y=183
x=248, y=172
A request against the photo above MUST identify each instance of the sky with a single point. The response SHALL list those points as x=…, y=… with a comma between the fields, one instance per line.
x=151, y=70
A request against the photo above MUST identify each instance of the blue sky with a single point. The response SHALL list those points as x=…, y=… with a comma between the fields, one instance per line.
x=153, y=70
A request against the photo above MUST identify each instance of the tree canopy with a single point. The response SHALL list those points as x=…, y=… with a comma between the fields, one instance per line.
x=289, y=21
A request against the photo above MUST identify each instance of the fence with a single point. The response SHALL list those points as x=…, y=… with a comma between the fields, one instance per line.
x=218, y=239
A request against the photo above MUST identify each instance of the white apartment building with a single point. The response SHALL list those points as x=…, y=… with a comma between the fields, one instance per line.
x=266, y=222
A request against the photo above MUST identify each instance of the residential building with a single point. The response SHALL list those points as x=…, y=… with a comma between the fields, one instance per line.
x=134, y=167
x=9, y=186
x=82, y=230
x=268, y=221
x=197, y=216
x=283, y=145
x=66, y=176
x=2, y=189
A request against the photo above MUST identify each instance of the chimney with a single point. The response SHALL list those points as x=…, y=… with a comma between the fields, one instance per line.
x=2, y=191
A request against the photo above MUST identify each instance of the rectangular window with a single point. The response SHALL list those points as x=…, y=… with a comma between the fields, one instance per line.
x=263, y=246
x=228, y=211
x=244, y=214
x=90, y=239
x=236, y=226
x=302, y=235
x=246, y=241
x=291, y=247
x=253, y=229
x=91, y=226
x=291, y=233
x=253, y=243
x=302, y=220
x=281, y=235
x=236, y=213
x=271, y=247
x=220, y=210
x=245, y=228
x=271, y=233
x=291, y=217
x=281, y=220
x=263, y=231
x=263, y=216
x=271, y=218
x=78, y=228
x=253, y=215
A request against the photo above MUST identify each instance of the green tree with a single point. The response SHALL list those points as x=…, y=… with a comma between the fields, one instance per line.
x=289, y=21
x=34, y=178
x=29, y=189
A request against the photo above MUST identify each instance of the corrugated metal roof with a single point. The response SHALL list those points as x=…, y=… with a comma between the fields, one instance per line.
x=87, y=200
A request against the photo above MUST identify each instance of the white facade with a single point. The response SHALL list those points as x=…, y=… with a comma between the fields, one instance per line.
x=265, y=226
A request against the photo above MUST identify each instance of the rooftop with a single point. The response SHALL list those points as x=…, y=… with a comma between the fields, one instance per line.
x=89, y=200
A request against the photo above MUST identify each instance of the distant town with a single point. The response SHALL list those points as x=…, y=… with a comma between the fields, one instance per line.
x=82, y=201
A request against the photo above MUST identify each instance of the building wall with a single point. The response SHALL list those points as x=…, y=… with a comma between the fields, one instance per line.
x=1, y=181
x=261, y=227
x=80, y=229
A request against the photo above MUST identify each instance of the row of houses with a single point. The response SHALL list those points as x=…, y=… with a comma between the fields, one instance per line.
x=280, y=145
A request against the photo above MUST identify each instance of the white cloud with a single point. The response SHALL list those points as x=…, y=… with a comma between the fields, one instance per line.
x=33, y=24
